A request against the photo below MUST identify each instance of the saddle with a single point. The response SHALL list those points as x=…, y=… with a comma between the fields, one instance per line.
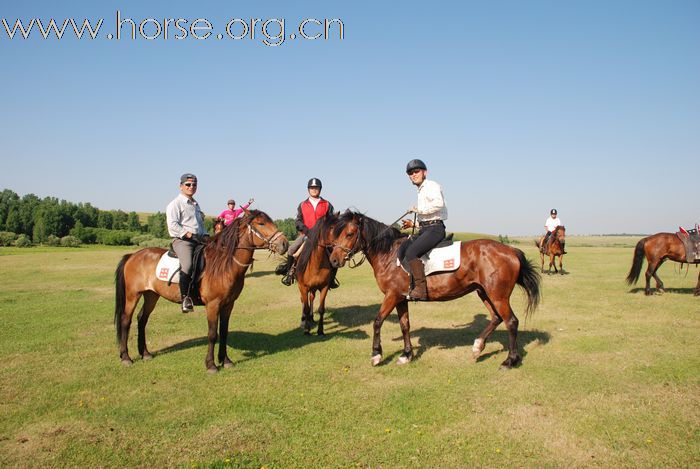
x=691, y=242
x=169, y=265
x=444, y=257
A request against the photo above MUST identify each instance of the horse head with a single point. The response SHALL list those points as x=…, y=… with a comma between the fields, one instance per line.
x=560, y=235
x=264, y=234
x=346, y=239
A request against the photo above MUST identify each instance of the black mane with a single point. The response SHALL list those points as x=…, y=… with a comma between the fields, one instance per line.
x=222, y=246
x=314, y=236
x=378, y=237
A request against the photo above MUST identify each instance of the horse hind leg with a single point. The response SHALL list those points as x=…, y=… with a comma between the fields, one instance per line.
x=407, y=355
x=321, y=310
x=652, y=267
x=511, y=322
x=224, y=316
x=132, y=298
x=149, y=302
x=480, y=342
x=696, y=292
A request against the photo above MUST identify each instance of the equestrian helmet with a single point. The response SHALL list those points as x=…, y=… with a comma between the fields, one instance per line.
x=314, y=182
x=415, y=164
x=553, y=211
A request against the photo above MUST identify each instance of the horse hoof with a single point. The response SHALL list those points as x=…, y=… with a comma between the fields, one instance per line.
x=321, y=333
x=307, y=332
x=212, y=370
x=376, y=360
x=403, y=360
x=228, y=364
x=504, y=368
x=127, y=362
x=147, y=356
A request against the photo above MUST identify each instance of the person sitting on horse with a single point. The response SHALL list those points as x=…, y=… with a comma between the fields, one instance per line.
x=550, y=225
x=431, y=213
x=186, y=227
x=309, y=212
x=231, y=213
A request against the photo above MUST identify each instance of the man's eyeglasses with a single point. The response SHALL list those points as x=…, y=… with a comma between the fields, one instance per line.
x=191, y=184
x=414, y=171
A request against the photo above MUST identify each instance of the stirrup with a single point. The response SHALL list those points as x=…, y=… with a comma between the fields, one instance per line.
x=187, y=305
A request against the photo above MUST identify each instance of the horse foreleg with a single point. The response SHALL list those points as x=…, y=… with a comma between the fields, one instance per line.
x=480, y=342
x=696, y=292
x=552, y=263
x=407, y=355
x=149, y=302
x=132, y=298
x=307, y=304
x=387, y=306
x=561, y=267
x=652, y=267
x=541, y=261
x=224, y=316
x=322, y=309
x=212, y=322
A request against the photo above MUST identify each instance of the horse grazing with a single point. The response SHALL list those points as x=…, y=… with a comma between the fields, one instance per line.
x=490, y=268
x=553, y=247
x=227, y=257
x=657, y=248
x=313, y=272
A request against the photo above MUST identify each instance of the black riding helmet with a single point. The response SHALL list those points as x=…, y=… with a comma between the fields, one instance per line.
x=314, y=182
x=553, y=211
x=415, y=164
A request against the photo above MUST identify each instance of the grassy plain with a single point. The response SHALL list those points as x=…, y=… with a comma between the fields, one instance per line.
x=609, y=377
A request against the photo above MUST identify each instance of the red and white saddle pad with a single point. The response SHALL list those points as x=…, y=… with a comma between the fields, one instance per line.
x=167, y=268
x=444, y=259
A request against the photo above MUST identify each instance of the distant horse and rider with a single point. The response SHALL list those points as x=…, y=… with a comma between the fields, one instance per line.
x=553, y=247
x=227, y=256
x=488, y=267
x=683, y=247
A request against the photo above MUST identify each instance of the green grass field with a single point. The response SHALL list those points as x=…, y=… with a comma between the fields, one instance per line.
x=609, y=377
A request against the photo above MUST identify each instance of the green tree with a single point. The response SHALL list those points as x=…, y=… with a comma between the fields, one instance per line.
x=13, y=222
x=157, y=225
x=105, y=219
x=119, y=219
x=288, y=226
x=132, y=223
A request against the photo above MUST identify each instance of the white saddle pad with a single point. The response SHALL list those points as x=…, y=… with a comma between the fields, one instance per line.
x=441, y=259
x=167, y=267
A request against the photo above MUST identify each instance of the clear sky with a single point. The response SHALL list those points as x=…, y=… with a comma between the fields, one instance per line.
x=592, y=107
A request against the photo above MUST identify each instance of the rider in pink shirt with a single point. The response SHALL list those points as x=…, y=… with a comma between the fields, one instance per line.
x=230, y=214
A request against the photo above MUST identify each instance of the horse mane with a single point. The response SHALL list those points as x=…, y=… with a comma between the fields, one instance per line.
x=313, y=238
x=378, y=236
x=221, y=248
x=558, y=229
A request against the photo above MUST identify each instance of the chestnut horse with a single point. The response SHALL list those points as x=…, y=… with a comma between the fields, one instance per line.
x=490, y=268
x=657, y=248
x=227, y=257
x=313, y=272
x=553, y=248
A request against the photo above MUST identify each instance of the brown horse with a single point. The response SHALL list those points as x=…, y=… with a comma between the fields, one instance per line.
x=657, y=248
x=490, y=268
x=313, y=272
x=227, y=257
x=553, y=248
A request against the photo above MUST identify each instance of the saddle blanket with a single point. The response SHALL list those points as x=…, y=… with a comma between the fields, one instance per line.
x=167, y=267
x=444, y=259
x=691, y=242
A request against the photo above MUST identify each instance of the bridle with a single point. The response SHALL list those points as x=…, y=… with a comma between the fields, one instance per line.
x=254, y=232
x=357, y=246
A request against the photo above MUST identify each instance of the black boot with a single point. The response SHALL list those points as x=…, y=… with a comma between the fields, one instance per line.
x=283, y=268
x=185, y=282
x=288, y=278
x=333, y=282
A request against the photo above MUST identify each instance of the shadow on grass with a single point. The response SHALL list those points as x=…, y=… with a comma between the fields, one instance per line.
x=260, y=273
x=464, y=335
x=655, y=291
x=349, y=317
x=259, y=344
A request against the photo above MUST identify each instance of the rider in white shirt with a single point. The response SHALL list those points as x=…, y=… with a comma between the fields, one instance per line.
x=550, y=225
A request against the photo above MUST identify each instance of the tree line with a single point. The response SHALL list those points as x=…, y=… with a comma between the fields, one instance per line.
x=30, y=220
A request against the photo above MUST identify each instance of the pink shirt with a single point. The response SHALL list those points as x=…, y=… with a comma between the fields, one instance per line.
x=229, y=215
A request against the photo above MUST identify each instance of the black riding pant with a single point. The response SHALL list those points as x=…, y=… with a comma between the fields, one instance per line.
x=428, y=237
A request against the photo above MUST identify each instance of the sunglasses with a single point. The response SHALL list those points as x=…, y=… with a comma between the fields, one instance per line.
x=414, y=171
x=191, y=184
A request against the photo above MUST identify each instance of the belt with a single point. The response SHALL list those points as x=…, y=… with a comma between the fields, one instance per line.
x=430, y=222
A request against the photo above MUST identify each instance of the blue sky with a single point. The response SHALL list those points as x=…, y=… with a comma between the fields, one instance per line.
x=592, y=107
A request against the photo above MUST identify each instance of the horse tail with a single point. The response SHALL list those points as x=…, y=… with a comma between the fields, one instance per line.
x=120, y=303
x=637, y=260
x=529, y=280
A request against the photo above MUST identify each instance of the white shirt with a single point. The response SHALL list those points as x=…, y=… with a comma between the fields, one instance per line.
x=314, y=201
x=183, y=214
x=552, y=223
x=431, y=203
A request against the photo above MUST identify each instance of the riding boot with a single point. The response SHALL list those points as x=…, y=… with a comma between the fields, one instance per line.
x=288, y=279
x=333, y=282
x=420, y=288
x=185, y=281
x=283, y=268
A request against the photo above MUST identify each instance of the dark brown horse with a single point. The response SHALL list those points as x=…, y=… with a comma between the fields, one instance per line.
x=553, y=247
x=657, y=248
x=313, y=272
x=490, y=268
x=227, y=256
